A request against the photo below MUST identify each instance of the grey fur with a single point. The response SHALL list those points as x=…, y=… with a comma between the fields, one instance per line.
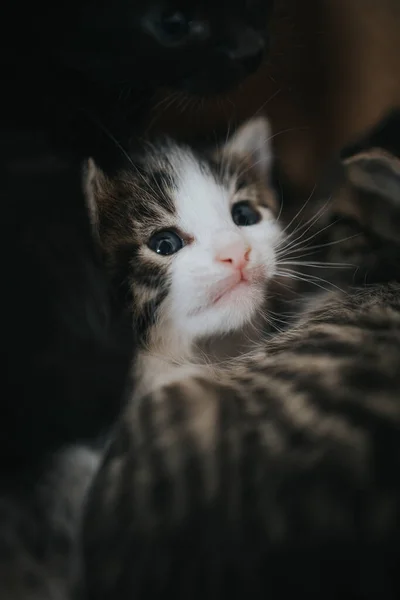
x=280, y=472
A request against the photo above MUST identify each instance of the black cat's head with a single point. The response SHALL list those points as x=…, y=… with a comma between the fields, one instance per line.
x=198, y=46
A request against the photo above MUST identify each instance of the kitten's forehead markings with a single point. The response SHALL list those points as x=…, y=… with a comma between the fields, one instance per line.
x=202, y=202
x=163, y=184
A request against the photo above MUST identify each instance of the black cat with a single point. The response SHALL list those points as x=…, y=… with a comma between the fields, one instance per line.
x=91, y=67
x=75, y=80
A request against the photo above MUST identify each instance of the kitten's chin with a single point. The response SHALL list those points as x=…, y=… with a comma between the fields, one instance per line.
x=229, y=312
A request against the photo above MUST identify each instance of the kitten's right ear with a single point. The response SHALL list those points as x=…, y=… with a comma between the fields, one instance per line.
x=94, y=184
x=252, y=141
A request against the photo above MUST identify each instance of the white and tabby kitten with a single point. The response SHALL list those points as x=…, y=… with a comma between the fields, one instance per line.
x=191, y=240
x=281, y=475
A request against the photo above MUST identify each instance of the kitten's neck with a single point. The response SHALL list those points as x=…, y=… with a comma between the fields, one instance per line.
x=169, y=352
x=222, y=348
x=175, y=346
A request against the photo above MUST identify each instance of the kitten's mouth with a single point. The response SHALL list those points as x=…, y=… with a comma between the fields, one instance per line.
x=241, y=282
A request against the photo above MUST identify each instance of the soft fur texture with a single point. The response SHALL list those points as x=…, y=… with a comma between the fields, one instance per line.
x=279, y=472
x=266, y=480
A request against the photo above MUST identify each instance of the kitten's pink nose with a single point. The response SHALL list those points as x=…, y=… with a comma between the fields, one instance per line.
x=235, y=254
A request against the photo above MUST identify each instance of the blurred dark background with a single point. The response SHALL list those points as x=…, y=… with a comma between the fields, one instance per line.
x=333, y=73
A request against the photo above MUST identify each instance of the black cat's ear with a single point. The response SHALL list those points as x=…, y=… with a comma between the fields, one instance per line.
x=373, y=192
x=95, y=183
x=252, y=143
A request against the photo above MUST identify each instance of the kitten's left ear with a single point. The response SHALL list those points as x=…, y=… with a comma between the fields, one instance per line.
x=94, y=182
x=253, y=140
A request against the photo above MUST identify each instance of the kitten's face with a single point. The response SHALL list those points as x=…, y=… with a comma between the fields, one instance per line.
x=195, y=238
x=201, y=46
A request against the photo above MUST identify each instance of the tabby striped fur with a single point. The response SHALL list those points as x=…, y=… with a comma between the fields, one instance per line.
x=276, y=474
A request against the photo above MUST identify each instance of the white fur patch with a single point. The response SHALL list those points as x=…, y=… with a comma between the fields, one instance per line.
x=204, y=209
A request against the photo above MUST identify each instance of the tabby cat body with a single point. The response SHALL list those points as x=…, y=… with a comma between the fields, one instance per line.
x=277, y=476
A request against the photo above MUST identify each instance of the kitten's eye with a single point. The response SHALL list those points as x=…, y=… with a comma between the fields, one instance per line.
x=175, y=25
x=243, y=214
x=165, y=243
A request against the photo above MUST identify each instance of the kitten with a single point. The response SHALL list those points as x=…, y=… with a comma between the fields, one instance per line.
x=191, y=240
x=277, y=475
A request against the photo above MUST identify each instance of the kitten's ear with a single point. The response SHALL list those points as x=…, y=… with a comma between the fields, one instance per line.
x=375, y=171
x=373, y=178
x=253, y=140
x=94, y=183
